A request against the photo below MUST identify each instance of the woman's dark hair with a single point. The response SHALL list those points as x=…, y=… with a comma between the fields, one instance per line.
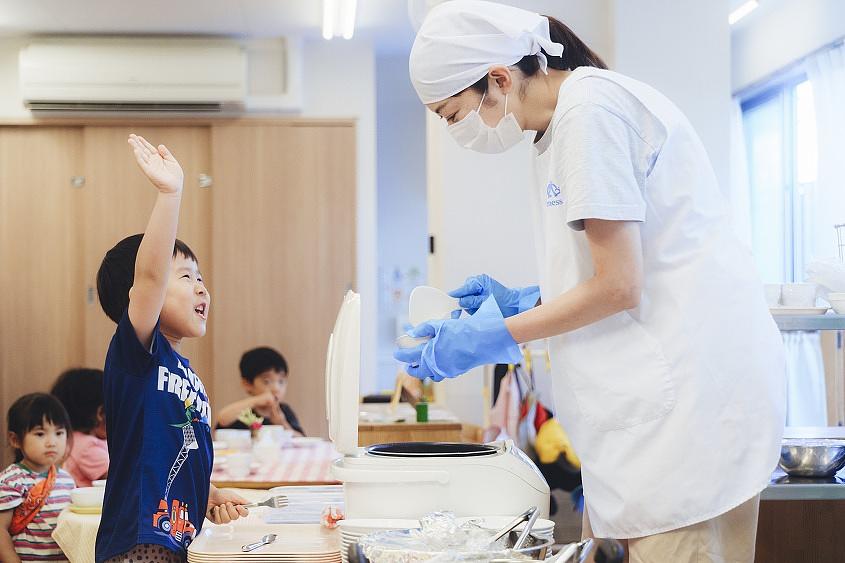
x=259, y=360
x=81, y=392
x=117, y=274
x=33, y=410
x=575, y=54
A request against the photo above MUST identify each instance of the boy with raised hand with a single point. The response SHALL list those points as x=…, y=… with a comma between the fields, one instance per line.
x=157, y=411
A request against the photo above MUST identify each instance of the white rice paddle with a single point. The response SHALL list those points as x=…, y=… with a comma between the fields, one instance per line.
x=427, y=303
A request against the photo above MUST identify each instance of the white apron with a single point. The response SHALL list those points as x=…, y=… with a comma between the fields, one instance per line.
x=675, y=408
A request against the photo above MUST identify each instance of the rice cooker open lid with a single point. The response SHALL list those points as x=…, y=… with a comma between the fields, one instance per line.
x=343, y=371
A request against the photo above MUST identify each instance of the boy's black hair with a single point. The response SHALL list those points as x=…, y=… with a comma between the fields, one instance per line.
x=259, y=360
x=33, y=410
x=117, y=273
x=81, y=392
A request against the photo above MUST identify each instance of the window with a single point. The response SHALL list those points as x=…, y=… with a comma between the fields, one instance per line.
x=780, y=133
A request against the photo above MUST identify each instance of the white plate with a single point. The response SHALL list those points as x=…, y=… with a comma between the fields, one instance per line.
x=798, y=310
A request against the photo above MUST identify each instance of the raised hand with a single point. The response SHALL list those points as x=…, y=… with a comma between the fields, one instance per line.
x=158, y=164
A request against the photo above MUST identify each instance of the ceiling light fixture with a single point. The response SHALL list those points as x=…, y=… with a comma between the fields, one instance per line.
x=743, y=11
x=339, y=18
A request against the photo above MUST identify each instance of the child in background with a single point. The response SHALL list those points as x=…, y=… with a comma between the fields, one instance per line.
x=81, y=393
x=157, y=412
x=264, y=376
x=33, y=490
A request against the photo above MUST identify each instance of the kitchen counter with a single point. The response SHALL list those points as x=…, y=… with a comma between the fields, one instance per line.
x=783, y=487
x=801, y=519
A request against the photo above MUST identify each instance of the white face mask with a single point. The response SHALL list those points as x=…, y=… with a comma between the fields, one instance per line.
x=472, y=133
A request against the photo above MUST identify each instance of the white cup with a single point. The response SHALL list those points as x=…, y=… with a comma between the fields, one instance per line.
x=772, y=294
x=266, y=451
x=275, y=433
x=234, y=438
x=238, y=465
x=798, y=295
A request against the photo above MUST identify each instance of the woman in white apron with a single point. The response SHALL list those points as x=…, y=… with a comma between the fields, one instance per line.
x=668, y=369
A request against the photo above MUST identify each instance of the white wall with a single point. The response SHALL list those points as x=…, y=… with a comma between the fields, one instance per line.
x=339, y=81
x=682, y=48
x=402, y=211
x=775, y=37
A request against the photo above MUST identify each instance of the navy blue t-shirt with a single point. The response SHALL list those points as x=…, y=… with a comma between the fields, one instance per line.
x=160, y=451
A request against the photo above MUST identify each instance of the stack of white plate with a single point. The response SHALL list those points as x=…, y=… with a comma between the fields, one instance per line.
x=295, y=542
x=305, y=505
x=353, y=529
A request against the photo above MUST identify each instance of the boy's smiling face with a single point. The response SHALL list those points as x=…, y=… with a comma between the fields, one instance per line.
x=187, y=301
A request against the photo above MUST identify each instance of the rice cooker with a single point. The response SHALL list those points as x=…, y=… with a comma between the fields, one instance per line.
x=409, y=480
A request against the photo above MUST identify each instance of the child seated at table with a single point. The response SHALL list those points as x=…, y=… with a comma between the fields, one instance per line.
x=81, y=393
x=264, y=376
x=33, y=490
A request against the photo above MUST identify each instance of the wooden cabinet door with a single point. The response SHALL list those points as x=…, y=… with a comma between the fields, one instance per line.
x=41, y=287
x=118, y=200
x=283, y=250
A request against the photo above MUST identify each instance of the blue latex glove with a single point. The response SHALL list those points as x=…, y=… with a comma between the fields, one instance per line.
x=511, y=301
x=458, y=345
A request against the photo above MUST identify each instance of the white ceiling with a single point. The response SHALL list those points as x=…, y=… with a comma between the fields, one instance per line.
x=385, y=22
x=765, y=8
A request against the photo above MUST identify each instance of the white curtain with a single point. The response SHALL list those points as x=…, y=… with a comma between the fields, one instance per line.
x=826, y=72
x=807, y=396
x=740, y=189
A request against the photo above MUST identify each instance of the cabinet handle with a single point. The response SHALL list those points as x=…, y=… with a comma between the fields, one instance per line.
x=205, y=181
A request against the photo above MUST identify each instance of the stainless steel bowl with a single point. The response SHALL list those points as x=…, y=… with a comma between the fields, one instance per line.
x=812, y=458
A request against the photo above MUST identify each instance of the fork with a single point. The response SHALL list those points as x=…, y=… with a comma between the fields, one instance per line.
x=279, y=501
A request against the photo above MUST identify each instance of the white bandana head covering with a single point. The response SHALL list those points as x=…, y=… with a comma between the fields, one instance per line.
x=460, y=40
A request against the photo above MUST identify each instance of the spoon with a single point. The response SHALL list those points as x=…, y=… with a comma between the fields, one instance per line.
x=268, y=539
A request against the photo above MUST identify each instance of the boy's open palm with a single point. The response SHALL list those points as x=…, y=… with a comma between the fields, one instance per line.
x=158, y=164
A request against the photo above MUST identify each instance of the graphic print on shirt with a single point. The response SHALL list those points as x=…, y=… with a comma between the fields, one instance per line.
x=172, y=518
x=553, y=195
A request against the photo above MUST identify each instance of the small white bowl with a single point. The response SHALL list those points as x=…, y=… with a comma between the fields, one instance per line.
x=837, y=301
x=87, y=497
x=98, y=483
x=798, y=294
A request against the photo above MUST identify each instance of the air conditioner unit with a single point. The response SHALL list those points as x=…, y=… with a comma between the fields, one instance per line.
x=140, y=74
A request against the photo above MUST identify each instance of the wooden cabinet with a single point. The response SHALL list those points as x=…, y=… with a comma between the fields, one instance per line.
x=805, y=531
x=274, y=232
x=283, y=250
x=40, y=282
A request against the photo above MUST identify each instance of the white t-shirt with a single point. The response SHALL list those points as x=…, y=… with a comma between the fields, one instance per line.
x=676, y=408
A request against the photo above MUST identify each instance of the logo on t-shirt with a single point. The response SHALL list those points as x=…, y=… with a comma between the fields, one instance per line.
x=553, y=195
